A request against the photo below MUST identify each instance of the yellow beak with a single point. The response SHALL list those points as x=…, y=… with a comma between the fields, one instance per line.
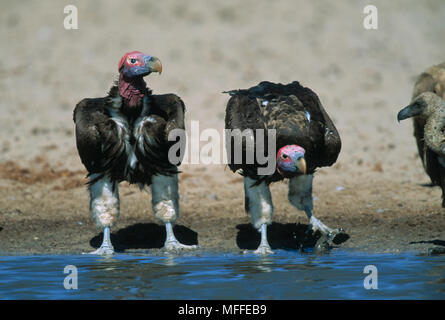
x=301, y=165
x=155, y=65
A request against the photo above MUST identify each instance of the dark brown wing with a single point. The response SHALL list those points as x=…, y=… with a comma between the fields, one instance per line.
x=295, y=112
x=332, y=140
x=243, y=117
x=172, y=109
x=97, y=137
x=167, y=115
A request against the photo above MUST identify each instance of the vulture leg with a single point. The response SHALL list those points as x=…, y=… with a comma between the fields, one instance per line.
x=300, y=196
x=165, y=202
x=106, y=248
x=104, y=208
x=259, y=205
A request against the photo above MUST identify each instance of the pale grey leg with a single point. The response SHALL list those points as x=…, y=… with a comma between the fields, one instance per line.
x=300, y=196
x=264, y=247
x=165, y=202
x=259, y=205
x=106, y=248
x=104, y=208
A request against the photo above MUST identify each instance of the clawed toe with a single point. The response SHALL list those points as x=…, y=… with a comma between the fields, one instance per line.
x=263, y=250
x=322, y=228
x=325, y=242
x=103, y=251
x=176, y=245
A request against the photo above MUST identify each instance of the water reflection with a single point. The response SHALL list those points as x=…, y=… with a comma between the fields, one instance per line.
x=170, y=261
x=285, y=275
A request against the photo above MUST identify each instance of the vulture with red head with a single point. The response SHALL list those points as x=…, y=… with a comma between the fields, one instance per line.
x=124, y=137
x=305, y=139
x=427, y=108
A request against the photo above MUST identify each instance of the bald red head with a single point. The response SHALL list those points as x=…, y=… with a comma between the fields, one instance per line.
x=133, y=66
x=126, y=58
x=290, y=161
x=137, y=64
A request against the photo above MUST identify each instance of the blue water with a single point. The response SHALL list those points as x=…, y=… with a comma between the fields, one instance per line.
x=285, y=275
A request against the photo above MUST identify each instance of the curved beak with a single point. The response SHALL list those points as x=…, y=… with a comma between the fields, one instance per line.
x=410, y=111
x=154, y=64
x=301, y=165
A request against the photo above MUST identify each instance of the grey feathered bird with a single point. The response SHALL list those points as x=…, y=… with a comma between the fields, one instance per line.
x=427, y=108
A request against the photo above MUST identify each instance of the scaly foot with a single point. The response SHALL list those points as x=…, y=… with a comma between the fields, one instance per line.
x=172, y=244
x=328, y=235
x=316, y=224
x=103, y=251
x=175, y=245
x=106, y=248
x=263, y=249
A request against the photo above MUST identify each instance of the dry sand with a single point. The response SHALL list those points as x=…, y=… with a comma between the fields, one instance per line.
x=363, y=78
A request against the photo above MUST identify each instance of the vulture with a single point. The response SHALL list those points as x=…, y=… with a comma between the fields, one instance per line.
x=305, y=139
x=124, y=137
x=427, y=108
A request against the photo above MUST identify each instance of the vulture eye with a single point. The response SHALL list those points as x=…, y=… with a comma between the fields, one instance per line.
x=284, y=156
x=133, y=60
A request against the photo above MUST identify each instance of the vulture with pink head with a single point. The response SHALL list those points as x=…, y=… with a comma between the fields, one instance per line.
x=305, y=139
x=124, y=137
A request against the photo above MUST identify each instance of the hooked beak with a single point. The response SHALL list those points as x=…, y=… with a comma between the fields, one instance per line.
x=410, y=111
x=154, y=64
x=301, y=165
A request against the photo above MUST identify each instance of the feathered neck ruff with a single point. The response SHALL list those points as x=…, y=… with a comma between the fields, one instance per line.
x=132, y=91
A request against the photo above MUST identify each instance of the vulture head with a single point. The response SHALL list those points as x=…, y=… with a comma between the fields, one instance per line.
x=290, y=161
x=432, y=108
x=137, y=64
x=132, y=67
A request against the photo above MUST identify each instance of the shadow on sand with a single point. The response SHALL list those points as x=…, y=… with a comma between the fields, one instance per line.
x=289, y=236
x=436, y=242
x=145, y=236
x=439, y=250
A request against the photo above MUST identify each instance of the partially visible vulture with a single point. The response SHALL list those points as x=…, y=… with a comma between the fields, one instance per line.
x=306, y=139
x=124, y=137
x=428, y=111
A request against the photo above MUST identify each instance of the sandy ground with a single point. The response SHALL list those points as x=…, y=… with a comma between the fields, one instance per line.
x=363, y=78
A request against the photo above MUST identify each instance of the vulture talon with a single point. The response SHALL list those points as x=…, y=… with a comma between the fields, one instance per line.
x=175, y=245
x=263, y=250
x=103, y=251
x=316, y=224
x=172, y=244
x=106, y=248
x=264, y=247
